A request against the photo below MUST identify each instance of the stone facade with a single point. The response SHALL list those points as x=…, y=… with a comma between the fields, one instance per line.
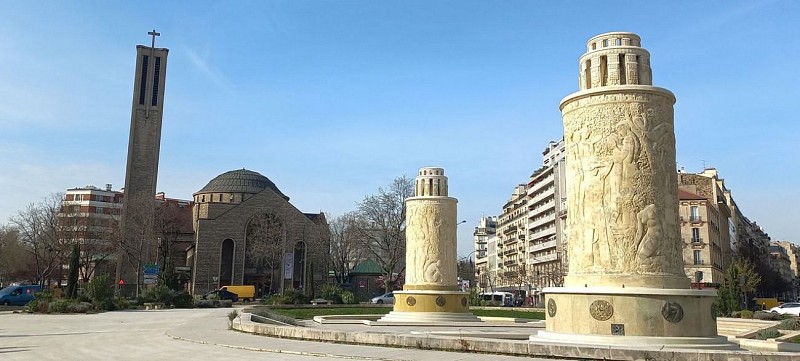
x=226, y=214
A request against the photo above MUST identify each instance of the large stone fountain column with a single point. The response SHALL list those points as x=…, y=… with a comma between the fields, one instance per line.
x=626, y=282
x=431, y=292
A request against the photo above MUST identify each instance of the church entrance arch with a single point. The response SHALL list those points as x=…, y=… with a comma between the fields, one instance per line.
x=264, y=242
x=226, y=263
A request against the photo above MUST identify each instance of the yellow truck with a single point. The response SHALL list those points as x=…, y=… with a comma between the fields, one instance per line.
x=246, y=293
x=766, y=303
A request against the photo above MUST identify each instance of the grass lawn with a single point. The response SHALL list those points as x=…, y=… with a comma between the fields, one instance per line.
x=309, y=313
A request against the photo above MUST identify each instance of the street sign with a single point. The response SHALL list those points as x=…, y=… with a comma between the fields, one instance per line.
x=151, y=269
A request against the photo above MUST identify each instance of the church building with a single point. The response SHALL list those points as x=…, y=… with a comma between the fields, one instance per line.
x=247, y=232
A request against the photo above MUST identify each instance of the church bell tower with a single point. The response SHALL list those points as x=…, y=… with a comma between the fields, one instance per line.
x=144, y=144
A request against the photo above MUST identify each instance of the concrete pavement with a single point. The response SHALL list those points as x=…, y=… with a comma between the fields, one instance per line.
x=174, y=335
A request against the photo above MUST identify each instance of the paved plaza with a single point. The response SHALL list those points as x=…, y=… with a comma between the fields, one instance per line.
x=200, y=334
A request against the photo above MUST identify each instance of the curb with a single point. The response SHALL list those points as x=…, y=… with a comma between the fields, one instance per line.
x=279, y=351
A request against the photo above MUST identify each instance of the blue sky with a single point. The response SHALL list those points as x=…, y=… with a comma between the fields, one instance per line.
x=333, y=99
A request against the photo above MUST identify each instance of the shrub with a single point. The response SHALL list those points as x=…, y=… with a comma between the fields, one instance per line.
x=232, y=315
x=746, y=313
x=122, y=303
x=348, y=297
x=79, y=307
x=183, y=300
x=790, y=324
x=100, y=291
x=770, y=333
x=41, y=302
x=204, y=304
x=288, y=298
x=331, y=292
x=60, y=306
x=225, y=303
x=159, y=293
x=760, y=315
x=736, y=314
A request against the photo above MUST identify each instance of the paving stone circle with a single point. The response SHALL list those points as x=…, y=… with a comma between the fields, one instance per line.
x=601, y=310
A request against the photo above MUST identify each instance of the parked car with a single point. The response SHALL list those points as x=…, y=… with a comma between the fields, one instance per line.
x=792, y=308
x=222, y=294
x=387, y=298
x=18, y=295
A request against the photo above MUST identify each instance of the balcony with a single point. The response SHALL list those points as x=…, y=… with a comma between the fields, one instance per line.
x=695, y=219
x=511, y=229
x=562, y=213
x=541, y=246
x=545, y=258
x=549, y=192
x=550, y=231
x=543, y=220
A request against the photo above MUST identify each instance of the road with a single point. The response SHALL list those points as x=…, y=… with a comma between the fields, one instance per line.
x=200, y=334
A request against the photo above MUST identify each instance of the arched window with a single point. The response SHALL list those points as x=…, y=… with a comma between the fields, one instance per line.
x=226, y=263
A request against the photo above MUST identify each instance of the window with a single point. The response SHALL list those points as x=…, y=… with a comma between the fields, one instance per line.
x=696, y=235
x=698, y=257
x=156, y=76
x=79, y=197
x=99, y=210
x=694, y=213
x=143, y=79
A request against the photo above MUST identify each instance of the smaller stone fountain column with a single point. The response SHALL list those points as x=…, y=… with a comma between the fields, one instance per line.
x=431, y=292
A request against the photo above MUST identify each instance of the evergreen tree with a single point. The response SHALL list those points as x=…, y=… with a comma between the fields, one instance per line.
x=74, y=265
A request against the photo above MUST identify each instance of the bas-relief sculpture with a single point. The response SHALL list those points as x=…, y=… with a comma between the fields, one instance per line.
x=618, y=161
x=425, y=262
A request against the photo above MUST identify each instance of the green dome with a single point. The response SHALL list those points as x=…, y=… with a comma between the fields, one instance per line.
x=240, y=181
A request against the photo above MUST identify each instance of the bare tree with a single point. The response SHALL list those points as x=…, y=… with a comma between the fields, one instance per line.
x=264, y=248
x=138, y=241
x=382, y=225
x=16, y=263
x=38, y=228
x=346, y=245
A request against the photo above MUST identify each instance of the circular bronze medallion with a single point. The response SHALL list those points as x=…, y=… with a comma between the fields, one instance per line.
x=551, y=307
x=411, y=301
x=601, y=310
x=440, y=301
x=672, y=312
x=464, y=301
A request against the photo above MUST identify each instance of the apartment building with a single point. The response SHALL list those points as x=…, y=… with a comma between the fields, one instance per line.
x=89, y=216
x=511, y=235
x=547, y=206
x=705, y=221
x=485, y=237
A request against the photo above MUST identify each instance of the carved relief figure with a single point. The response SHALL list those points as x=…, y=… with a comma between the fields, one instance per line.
x=648, y=237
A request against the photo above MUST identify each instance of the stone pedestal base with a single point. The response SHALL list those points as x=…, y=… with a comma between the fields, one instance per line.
x=676, y=318
x=430, y=306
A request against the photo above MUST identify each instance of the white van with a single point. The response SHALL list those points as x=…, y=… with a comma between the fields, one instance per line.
x=502, y=298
